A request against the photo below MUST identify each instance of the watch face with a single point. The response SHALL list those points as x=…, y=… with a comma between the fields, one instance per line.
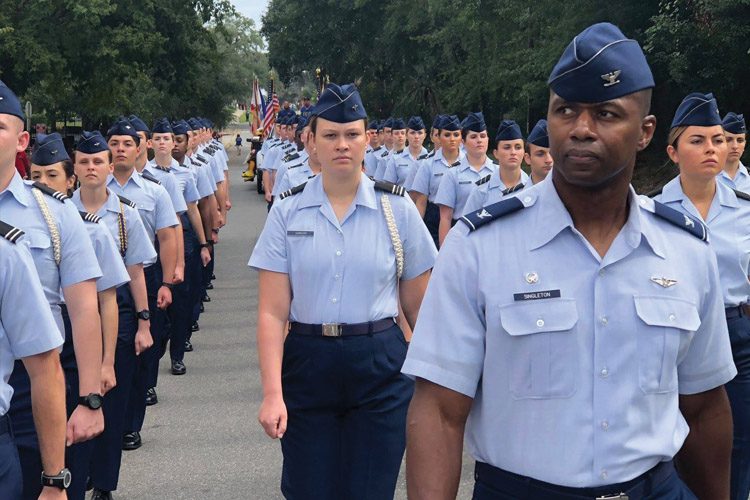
x=145, y=315
x=95, y=401
x=67, y=478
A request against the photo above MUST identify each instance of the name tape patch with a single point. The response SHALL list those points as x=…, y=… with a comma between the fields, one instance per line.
x=300, y=233
x=543, y=294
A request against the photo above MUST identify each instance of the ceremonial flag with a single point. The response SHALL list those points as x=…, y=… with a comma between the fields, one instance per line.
x=271, y=109
x=255, y=108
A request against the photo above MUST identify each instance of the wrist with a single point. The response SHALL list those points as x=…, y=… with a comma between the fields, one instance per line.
x=170, y=286
x=109, y=362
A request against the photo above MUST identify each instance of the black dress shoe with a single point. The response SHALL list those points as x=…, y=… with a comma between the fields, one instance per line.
x=130, y=441
x=188, y=346
x=202, y=308
x=151, y=398
x=210, y=286
x=195, y=328
x=213, y=276
x=101, y=495
x=206, y=298
x=178, y=367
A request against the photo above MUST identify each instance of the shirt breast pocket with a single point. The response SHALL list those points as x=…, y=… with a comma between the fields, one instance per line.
x=670, y=323
x=41, y=248
x=543, y=348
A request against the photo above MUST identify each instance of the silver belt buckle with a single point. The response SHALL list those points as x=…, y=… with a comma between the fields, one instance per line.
x=332, y=329
x=621, y=496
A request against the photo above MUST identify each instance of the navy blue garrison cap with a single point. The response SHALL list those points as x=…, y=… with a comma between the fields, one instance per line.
x=415, y=123
x=180, y=127
x=450, y=123
x=48, y=150
x=734, y=123
x=697, y=109
x=123, y=127
x=294, y=120
x=162, y=126
x=194, y=123
x=475, y=122
x=436, y=121
x=388, y=123
x=508, y=131
x=9, y=103
x=340, y=104
x=398, y=124
x=139, y=125
x=373, y=125
x=302, y=123
x=600, y=64
x=92, y=143
x=538, y=135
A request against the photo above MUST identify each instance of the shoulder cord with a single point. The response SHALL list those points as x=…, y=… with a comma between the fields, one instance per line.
x=395, y=238
x=54, y=232
x=123, y=228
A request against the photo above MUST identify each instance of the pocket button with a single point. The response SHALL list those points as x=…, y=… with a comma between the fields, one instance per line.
x=540, y=322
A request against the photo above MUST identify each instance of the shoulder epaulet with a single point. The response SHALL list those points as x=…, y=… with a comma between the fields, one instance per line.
x=377, y=149
x=742, y=194
x=126, y=201
x=431, y=153
x=200, y=158
x=399, y=152
x=150, y=177
x=209, y=151
x=681, y=220
x=455, y=164
x=385, y=153
x=655, y=192
x=389, y=187
x=513, y=189
x=422, y=157
x=295, y=166
x=475, y=220
x=484, y=180
x=159, y=167
x=9, y=232
x=291, y=157
x=495, y=162
x=293, y=191
x=90, y=217
x=49, y=191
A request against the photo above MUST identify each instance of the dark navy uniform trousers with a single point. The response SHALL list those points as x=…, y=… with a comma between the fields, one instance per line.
x=180, y=312
x=11, y=481
x=660, y=483
x=346, y=399
x=738, y=391
x=432, y=221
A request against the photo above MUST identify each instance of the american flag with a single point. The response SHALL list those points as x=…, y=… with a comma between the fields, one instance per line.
x=271, y=109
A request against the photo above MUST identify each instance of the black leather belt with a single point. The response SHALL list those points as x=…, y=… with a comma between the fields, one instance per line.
x=734, y=312
x=4, y=425
x=528, y=488
x=342, y=329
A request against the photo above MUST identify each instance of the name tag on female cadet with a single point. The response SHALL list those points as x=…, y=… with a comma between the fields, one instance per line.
x=300, y=233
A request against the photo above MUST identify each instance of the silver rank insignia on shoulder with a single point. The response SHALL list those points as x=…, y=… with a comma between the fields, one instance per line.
x=483, y=214
x=665, y=282
x=611, y=78
x=532, y=278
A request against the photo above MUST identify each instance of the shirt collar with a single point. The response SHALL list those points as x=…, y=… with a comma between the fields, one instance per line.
x=314, y=195
x=672, y=191
x=17, y=188
x=135, y=177
x=487, y=165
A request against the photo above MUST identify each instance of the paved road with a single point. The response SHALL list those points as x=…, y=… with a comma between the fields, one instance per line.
x=202, y=441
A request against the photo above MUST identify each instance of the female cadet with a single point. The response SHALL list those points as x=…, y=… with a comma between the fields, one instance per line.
x=508, y=178
x=698, y=145
x=735, y=174
x=404, y=166
x=336, y=378
x=424, y=188
x=56, y=172
x=398, y=143
x=121, y=219
x=457, y=184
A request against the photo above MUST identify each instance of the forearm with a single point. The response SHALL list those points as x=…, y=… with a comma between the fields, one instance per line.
x=704, y=460
x=206, y=216
x=48, y=408
x=421, y=201
x=110, y=322
x=268, y=181
x=138, y=287
x=167, y=252
x=196, y=222
x=220, y=197
x=180, y=242
x=270, y=352
x=82, y=303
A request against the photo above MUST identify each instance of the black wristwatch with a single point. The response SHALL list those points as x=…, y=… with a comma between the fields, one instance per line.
x=61, y=480
x=93, y=401
x=168, y=285
x=144, y=315
x=215, y=230
x=205, y=245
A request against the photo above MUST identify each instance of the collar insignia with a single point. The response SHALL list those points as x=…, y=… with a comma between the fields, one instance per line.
x=611, y=78
x=665, y=282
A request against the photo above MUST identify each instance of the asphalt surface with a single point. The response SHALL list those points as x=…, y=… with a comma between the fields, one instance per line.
x=202, y=440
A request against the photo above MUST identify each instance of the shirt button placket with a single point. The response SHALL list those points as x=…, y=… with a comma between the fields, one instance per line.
x=338, y=268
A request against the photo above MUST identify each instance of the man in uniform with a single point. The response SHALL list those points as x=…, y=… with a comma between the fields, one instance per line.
x=577, y=364
x=371, y=160
x=537, y=155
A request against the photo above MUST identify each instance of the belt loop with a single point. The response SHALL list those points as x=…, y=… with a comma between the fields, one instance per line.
x=529, y=493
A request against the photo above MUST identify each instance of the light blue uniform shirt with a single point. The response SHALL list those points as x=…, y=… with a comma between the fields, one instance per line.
x=342, y=272
x=371, y=160
x=459, y=182
x=108, y=257
x=575, y=362
x=430, y=174
x=728, y=224
x=138, y=247
x=186, y=183
x=152, y=200
x=27, y=326
x=213, y=163
x=77, y=259
x=202, y=184
x=741, y=181
x=401, y=166
x=410, y=179
x=293, y=177
x=266, y=145
x=276, y=150
x=281, y=153
x=301, y=158
x=202, y=170
x=492, y=192
x=169, y=181
x=383, y=162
